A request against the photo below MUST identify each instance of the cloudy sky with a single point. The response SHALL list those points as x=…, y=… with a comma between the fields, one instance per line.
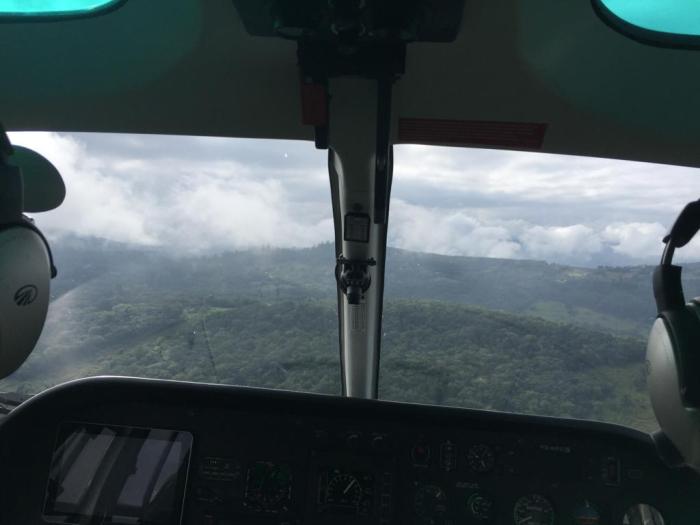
x=194, y=195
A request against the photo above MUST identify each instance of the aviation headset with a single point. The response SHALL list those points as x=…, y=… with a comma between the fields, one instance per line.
x=673, y=350
x=26, y=269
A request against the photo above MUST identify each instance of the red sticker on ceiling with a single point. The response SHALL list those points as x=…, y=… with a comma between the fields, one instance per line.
x=314, y=104
x=516, y=135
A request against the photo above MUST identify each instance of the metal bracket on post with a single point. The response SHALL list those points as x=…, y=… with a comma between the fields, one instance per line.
x=353, y=277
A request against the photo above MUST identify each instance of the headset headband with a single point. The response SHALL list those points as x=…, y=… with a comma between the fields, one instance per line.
x=681, y=320
x=683, y=230
x=668, y=289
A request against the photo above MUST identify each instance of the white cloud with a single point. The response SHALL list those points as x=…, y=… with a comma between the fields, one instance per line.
x=542, y=183
x=636, y=239
x=213, y=194
x=238, y=214
x=548, y=242
x=188, y=206
x=450, y=232
x=97, y=203
x=455, y=232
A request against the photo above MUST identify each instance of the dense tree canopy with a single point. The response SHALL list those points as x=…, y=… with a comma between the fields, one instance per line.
x=545, y=339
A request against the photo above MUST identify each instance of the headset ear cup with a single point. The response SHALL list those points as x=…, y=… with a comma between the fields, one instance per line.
x=694, y=308
x=25, y=276
x=680, y=422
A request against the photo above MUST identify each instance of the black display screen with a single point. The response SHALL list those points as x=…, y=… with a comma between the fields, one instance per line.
x=117, y=475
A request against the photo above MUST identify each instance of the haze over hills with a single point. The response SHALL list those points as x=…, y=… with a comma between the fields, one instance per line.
x=617, y=299
x=566, y=341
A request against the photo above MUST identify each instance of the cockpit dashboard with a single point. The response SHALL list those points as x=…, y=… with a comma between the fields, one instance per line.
x=135, y=451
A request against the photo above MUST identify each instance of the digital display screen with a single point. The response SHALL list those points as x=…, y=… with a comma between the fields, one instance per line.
x=117, y=475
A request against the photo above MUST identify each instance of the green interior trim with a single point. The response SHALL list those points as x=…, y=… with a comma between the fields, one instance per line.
x=679, y=17
x=663, y=23
x=52, y=7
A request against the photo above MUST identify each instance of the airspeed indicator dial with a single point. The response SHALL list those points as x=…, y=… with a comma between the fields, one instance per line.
x=344, y=490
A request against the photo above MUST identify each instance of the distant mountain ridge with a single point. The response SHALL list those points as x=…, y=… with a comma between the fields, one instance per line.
x=565, y=342
x=616, y=299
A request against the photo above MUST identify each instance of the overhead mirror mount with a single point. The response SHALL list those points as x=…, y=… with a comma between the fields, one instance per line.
x=336, y=38
x=353, y=22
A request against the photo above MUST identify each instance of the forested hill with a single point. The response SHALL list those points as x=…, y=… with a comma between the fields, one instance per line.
x=433, y=352
x=610, y=299
x=268, y=318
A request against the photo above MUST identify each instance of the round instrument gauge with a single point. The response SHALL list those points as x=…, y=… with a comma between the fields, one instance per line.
x=481, y=458
x=268, y=486
x=642, y=514
x=420, y=454
x=586, y=514
x=430, y=502
x=481, y=507
x=533, y=510
x=344, y=490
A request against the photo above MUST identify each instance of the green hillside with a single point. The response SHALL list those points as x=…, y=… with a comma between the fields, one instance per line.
x=610, y=299
x=433, y=352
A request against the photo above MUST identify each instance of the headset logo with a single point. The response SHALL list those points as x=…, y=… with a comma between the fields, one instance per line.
x=26, y=295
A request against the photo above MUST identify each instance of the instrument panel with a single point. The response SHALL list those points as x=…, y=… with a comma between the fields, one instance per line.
x=249, y=456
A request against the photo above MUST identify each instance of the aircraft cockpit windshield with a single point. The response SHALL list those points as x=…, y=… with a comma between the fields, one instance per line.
x=516, y=282
x=377, y=262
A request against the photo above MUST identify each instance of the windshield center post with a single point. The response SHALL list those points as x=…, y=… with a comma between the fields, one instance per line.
x=360, y=170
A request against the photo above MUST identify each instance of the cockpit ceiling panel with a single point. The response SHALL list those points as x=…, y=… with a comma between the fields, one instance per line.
x=189, y=67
